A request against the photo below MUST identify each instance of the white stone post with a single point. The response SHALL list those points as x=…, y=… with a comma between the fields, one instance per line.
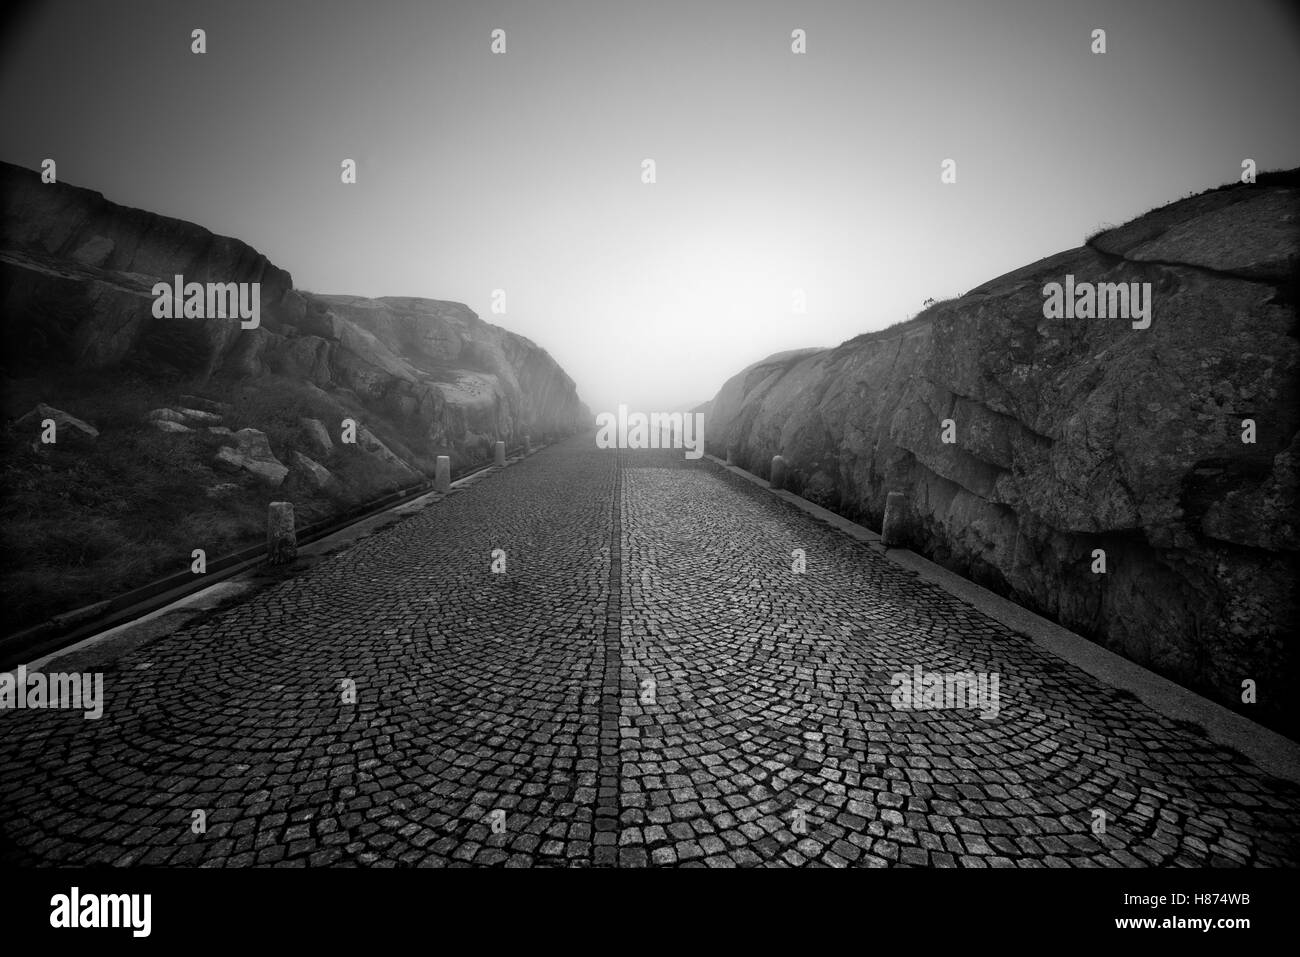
x=893, y=529
x=780, y=471
x=281, y=537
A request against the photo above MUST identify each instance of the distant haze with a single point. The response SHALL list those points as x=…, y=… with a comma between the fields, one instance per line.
x=775, y=171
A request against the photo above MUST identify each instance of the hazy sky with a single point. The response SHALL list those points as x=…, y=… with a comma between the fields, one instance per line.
x=775, y=171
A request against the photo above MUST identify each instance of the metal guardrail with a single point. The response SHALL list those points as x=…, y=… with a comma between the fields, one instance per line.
x=77, y=625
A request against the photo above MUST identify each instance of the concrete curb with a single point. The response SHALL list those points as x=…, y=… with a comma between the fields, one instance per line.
x=1268, y=750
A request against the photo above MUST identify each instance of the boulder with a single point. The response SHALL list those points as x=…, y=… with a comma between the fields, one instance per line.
x=315, y=474
x=199, y=417
x=166, y=415
x=317, y=435
x=166, y=425
x=252, y=453
x=65, y=425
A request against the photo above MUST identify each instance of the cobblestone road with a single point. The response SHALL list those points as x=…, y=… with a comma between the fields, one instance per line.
x=649, y=682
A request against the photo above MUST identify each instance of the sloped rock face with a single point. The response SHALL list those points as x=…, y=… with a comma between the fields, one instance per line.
x=1081, y=434
x=313, y=472
x=368, y=442
x=252, y=453
x=78, y=273
x=468, y=381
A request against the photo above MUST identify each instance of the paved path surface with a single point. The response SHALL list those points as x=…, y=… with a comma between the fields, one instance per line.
x=649, y=682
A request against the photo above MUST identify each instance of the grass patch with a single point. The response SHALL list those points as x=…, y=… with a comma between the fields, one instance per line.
x=86, y=520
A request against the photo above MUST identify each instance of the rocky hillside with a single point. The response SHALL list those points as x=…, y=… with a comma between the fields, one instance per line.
x=1076, y=434
x=211, y=417
x=78, y=272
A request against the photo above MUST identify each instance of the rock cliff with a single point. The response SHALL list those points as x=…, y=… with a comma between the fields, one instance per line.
x=1170, y=448
x=78, y=272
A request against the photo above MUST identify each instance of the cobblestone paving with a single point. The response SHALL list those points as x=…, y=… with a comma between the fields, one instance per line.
x=773, y=696
x=474, y=692
x=648, y=683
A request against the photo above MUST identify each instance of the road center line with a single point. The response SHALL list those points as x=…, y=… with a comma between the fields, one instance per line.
x=605, y=846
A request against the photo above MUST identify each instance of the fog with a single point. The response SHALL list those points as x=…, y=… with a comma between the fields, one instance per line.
x=777, y=174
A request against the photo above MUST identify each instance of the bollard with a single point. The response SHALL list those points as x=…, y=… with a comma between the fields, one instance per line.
x=731, y=455
x=893, y=529
x=281, y=539
x=528, y=443
x=500, y=455
x=780, y=471
x=442, y=474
